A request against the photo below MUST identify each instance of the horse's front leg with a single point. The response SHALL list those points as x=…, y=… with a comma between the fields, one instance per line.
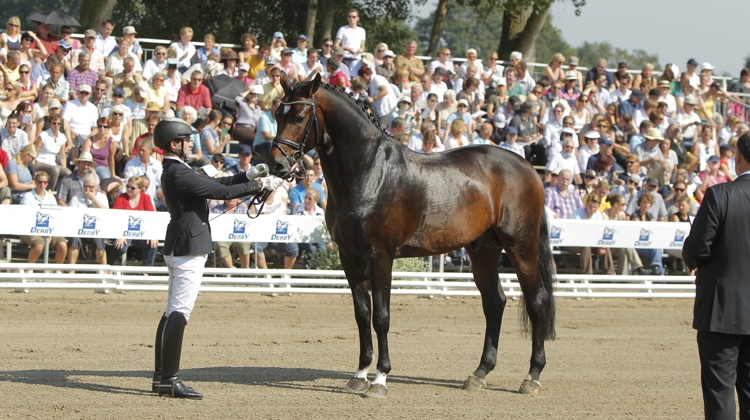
x=380, y=269
x=360, y=287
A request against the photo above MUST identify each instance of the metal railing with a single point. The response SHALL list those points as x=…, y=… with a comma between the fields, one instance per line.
x=106, y=278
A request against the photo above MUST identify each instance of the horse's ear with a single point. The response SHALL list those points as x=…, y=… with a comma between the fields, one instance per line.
x=313, y=86
x=285, y=83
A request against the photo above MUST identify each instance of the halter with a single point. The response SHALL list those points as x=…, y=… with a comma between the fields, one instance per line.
x=295, y=159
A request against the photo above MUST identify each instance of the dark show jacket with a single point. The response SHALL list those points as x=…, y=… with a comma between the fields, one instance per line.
x=185, y=193
x=719, y=247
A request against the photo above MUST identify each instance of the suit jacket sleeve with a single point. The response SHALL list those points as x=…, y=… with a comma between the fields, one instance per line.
x=704, y=231
x=200, y=186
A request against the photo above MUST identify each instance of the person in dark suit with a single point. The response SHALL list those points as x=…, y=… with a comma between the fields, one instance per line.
x=188, y=241
x=718, y=247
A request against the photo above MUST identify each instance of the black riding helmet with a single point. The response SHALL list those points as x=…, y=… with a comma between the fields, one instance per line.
x=170, y=129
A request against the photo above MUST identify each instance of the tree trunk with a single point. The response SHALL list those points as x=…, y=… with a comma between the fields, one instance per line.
x=527, y=40
x=312, y=13
x=327, y=9
x=514, y=23
x=226, y=25
x=437, y=27
x=93, y=12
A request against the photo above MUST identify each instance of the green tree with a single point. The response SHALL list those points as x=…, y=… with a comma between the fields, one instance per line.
x=463, y=29
x=550, y=41
x=23, y=8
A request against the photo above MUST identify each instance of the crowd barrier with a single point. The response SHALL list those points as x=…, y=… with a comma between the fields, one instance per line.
x=112, y=224
x=23, y=278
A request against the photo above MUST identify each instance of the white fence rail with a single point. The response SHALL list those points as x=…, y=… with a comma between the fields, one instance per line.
x=25, y=277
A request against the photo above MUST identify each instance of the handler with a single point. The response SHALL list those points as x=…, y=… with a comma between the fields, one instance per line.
x=188, y=241
x=718, y=246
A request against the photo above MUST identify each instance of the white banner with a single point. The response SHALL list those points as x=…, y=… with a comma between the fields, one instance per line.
x=105, y=223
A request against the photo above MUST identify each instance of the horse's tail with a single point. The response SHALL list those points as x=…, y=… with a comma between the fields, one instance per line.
x=544, y=296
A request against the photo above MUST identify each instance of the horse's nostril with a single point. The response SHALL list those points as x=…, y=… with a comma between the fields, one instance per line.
x=278, y=170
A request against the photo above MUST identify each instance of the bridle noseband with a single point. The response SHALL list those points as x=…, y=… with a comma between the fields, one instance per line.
x=295, y=158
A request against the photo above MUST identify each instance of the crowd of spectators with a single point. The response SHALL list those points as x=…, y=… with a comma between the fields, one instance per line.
x=77, y=118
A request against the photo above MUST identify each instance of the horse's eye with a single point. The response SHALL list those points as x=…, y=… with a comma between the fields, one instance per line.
x=298, y=119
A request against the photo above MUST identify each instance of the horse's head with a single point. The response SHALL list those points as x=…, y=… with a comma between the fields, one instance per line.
x=298, y=127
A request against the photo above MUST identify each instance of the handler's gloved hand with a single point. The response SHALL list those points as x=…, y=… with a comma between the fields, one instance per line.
x=257, y=171
x=271, y=182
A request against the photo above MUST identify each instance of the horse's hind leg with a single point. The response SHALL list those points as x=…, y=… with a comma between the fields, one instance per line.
x=537, y=300
x=484, y=263
x=360, y=287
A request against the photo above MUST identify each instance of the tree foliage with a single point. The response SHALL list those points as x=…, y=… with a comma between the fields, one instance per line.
x=23, y=8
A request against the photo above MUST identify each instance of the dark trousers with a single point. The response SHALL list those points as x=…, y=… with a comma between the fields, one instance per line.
x=725, y=364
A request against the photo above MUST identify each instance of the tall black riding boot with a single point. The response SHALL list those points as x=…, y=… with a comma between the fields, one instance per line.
x=157, y=354
x=171, y=349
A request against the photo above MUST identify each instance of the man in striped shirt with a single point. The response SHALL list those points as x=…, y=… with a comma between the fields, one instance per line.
x=560, y=199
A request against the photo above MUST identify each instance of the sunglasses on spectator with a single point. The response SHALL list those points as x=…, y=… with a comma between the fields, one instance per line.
x=590, y=177
x=603, y=125
x=102, y=126
x=380, y=51
x=197, y=80
x=131, y=187
x=13, y=25
x=24, y=72
x=328, y=45
x=55, y=123
x=9, y=89
x=679, y=189
x=218, y=161
x=41, y=182
x=160, y=53
x=117, y=113
x=227, y=122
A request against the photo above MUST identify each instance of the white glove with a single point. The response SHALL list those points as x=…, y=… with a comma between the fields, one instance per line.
x=271, y=182
x=257, y=171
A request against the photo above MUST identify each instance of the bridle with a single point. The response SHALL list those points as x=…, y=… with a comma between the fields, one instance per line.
x=295, y=158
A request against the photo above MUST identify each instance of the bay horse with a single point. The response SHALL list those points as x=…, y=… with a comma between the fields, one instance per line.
x=386, y=201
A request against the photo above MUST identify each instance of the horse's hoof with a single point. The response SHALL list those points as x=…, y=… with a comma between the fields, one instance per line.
x=376, y=391
x=474, y=383
x=357, y=385
x=530, y=387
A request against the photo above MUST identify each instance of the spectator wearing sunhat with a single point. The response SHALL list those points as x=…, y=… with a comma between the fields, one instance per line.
x=229, y=60
x=96, y=62
x=242, y=76
x=573, y=67
x=388, y=67
x=650, y=155
x=299, y=54
x=587, y=150
x=511, y=135
x=606, y=147
x=338, y=54
x=287, y=64
x=278, y=43
x=570, y=92
x=692, y=74
x=664, y=87
x=248, y=114
x=264, y=76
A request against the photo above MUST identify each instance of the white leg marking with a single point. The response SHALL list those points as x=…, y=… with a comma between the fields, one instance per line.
x=380, y=379
x=361, y=374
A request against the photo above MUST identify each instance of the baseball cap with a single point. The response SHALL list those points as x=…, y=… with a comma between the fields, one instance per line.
x=638, y=93
x=172, y=62
x=244, y=66
x=278, y=35
x=573, y=61
x=713, y=158
x=463, y=102
x=511, y=130
x=338, y=51
x=388, y=53
x=707, y=66
x=245, y=150
x=118, y=91
x=286, y=51
x=692, y=62
x=117, y=109
x=270, y=61
x=368, y=59
x=555, y=171
x=128, y=30
x=515, y=55
x=54, y=103
x=256, y=89
x=605, y=141
x=622, y=65
x=590, y=172
x=635, y=178
x=440, y=71
x=84, y=88
x=405, y=99
x=591, y=134
x=652, y=181
x=153, y=106
x=571, y=75
x=90, y=33
x=515, y=103
x=63, y=43
x=690, y=100
x=501, y=81
x=302, y=36
x=654, y=92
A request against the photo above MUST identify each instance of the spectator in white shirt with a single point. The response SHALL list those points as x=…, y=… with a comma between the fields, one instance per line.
x=81, y=114
x=566, y=159
x=105, y=43
x=13, y=139
x=146, y=165
x=156, y=64
x=664, y=87
x=622, y=93
x=185, y=50
x=51, y=146
x=510, y=142
x=352, y=39
x=36, y=197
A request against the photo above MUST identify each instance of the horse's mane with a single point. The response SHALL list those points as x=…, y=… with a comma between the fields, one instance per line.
x=359, y=107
